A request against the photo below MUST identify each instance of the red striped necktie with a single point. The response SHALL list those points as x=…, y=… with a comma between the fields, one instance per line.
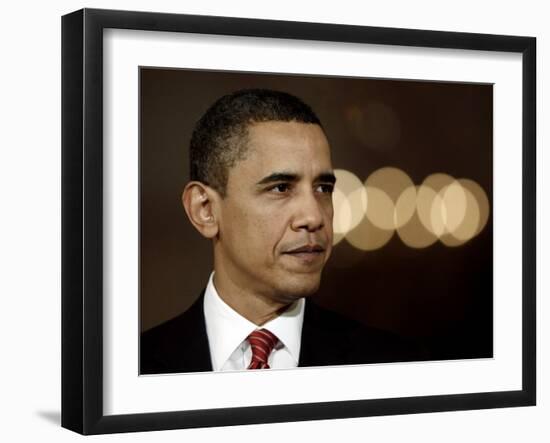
x=262, y=343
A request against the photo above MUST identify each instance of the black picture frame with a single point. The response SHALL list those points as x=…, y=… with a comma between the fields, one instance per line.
x=82, y=220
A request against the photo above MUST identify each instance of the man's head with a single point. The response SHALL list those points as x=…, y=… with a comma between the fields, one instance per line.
x=261, y=189
x=220, y=136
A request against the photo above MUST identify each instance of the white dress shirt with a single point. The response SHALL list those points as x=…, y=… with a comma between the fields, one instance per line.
x=227, y=331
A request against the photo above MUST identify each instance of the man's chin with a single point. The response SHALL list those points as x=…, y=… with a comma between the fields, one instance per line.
x=297, y=288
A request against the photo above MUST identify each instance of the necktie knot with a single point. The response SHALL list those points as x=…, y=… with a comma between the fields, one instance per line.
x=262, y=343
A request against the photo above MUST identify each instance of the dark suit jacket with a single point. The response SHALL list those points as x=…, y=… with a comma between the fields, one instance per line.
x=328, y=339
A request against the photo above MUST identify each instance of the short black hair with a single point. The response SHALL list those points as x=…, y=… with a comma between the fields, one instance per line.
x=219, y=139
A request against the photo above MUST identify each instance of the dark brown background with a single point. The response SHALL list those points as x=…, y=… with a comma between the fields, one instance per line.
x=440, y=295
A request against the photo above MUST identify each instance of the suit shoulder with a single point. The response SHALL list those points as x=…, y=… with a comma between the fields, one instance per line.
x=159, y=342
x=361, y=343
x=164, y=330
x=177, y=345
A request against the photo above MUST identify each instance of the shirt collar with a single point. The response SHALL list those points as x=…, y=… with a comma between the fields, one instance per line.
x=227, y=329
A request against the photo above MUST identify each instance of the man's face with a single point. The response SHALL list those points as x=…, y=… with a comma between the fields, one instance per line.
x=275, y=224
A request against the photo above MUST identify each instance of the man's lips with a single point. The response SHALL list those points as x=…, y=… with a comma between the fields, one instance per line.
x=306, y=249
x=310, y=254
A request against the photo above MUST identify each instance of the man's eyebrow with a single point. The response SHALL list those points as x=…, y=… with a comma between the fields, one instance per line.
x=326, y=177
x=278, y=177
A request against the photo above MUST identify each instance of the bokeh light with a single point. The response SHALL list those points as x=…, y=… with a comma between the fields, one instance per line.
x=350, y=203
x=368, y=237
x=429, y=208
x=414, y=233
x=384, y=188
x=442, y=208
x=405, y=207
x=347, y=181
x=453, y=205
x=392, y=181
x=430, y=203
x=375, y=124
x=481, y=199
x=467, y=228
x=342, y=215
x=380, y=208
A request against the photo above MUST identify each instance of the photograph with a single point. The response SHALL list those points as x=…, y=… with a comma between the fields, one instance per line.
x=345, y=220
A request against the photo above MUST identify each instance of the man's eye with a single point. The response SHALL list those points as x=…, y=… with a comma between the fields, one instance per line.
x=280, y=188
x=326, y=188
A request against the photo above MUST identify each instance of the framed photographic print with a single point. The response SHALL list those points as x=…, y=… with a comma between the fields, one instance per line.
x=364, y=196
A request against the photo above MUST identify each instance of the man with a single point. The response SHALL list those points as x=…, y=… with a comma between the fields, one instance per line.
x=261, y=192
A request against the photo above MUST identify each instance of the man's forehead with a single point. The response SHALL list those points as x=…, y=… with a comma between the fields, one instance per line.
x=278, y=128
x=288, y=146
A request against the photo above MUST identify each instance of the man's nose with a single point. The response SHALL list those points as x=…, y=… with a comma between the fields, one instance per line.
x=309, y=213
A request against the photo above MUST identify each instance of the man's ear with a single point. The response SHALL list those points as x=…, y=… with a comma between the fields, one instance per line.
x=200, y=203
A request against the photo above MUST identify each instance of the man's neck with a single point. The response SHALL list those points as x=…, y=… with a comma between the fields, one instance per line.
x=254, y=307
